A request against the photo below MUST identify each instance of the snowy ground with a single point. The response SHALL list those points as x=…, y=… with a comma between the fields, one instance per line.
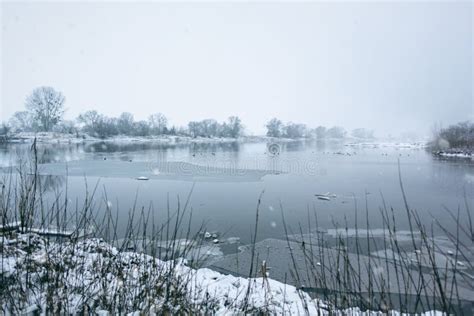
x=92, y=276
x=456, y=154
x=51, y=137
x=397, y=145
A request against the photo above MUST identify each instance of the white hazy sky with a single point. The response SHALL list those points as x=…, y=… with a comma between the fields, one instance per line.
x=391, y=66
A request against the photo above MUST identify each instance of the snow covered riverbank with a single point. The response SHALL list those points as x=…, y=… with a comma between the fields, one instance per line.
x=90, y=276
x=64, y=138
x=396, y=145
x=455, y=153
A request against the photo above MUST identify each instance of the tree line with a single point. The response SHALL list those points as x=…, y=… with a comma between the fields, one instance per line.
x=45, y=109
x=277, y=128
x=460, y=135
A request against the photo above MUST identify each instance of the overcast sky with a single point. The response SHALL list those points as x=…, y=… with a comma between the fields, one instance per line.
x=391, y=66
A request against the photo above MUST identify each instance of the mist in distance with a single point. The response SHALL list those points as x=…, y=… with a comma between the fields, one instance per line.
x=394, y=67
x=237, y=158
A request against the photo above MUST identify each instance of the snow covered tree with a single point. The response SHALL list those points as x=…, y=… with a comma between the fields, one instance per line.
x=141, y=128
x=204, y=128
x=4, y=132
x=22, y=121
x=158, y=123
x=66, y=127
x=125, y=123
x=46, y=105
x=459, y=135
x=105, y=127
x=89, y=121
x=320, y=132
x=234, y=126
x=292, y=130
x=336, y=132
x=97, y=125
x=274, y=128
x=88, y=118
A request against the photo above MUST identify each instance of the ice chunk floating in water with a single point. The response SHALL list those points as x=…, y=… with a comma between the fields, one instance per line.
x=326, y=197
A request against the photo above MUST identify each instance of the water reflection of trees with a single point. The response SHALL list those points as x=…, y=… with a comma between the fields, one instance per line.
x=296, y=145
x=109, y=147
x=301, y=145
x=231, y=149
x=46, y=152
x=162, y=148
x=214, y=147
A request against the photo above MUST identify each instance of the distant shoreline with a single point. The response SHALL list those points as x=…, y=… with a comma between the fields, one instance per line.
x=82, y=138
x=460, y=153
x=65, y=138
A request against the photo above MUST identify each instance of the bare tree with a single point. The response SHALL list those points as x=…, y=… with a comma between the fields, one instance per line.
x=158, y=123
x=4, y=132
x=98, y=125
x=320, y=132
x=194, y=128
x=22, y=121
x=125, y=123
x=336, y=132
x=141, y=128
x=292, y=130
x=274, y=128
x=210, y=127
x=46, y=106
x=105, y=127
x=89, y=118
x=234, y=126
x=66, y=127
x=204, y=128
x=460, y=135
